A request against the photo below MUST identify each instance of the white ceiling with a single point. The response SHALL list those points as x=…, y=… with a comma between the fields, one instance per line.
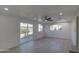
x=32, y=11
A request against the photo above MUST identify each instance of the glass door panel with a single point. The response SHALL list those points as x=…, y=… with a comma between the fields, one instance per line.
x=26, y=32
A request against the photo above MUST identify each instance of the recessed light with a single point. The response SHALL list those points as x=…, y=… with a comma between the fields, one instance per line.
x=60, y=13
x=6, y=9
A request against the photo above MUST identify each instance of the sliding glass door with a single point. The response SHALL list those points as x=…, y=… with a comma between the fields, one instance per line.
x=26, y=32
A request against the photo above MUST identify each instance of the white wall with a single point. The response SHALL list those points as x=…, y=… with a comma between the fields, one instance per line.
x=77, y=30
x=74, y=31
x=64, y=33
x=8, y=32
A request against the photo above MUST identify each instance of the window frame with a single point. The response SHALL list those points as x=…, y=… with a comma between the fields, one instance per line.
x=55, y=27
x=26, y=29
x=40, y=27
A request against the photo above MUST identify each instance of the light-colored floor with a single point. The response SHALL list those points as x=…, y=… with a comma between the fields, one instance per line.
x=44, y=45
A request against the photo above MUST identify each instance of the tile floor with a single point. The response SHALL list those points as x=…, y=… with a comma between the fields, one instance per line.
x=45, y=45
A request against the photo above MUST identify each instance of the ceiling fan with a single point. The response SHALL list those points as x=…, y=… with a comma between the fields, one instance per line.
x=50, y=18
x=47, y=18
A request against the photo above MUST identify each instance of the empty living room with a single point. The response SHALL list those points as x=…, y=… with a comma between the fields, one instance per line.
x=39, y=28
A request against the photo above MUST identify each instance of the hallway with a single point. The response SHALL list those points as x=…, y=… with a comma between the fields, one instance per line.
x=44, y=45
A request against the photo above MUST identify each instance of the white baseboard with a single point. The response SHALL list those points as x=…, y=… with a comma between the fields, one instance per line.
x=57, y=38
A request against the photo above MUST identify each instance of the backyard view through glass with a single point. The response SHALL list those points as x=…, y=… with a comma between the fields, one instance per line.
x=25, y=29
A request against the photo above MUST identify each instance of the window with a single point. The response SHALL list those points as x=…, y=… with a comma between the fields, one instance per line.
x=55, y=27
x=25, y=29
x=40, y=27
x=30, y=28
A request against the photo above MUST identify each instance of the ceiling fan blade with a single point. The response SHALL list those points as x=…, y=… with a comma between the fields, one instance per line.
x=46, y=18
